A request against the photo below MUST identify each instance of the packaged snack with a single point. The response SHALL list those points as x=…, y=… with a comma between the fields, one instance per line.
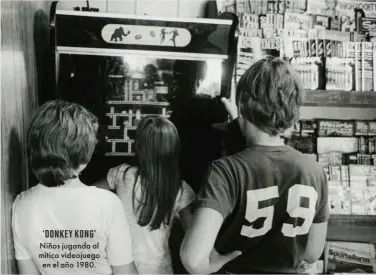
x=367, y=67
x=337, y=144
x=371, y=145
x=345, y=177
x=363, y=145
x=361, y=128
x=357, y=201
x=374, y=66
x=335, y=128
x=335, y=173
x=339, y=73
x=341, y=257
x=373, y=159
x=339, y=199
x=370, y=198
x=359, y=174
x=298, y=21
x=358, y=66
x=308, y=127
x=350, y=158
x=372, y=127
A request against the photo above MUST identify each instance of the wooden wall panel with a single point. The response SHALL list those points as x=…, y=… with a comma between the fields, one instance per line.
x=122, y=7
x=157, y=7
x=19, y=99
x=69, y=5
x=9, y=129
x=309, y=112
x=191, y=8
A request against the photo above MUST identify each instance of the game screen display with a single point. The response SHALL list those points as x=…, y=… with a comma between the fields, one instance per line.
x=121, y=90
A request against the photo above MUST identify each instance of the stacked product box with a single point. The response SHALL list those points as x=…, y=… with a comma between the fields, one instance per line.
x=366, y=133
x=336, y=145
x=354, y=139
x=365, y=72
x=347, y=257
x=352, y=189
x=339, y=200
x=341, y=147
x=363, y=189
x=301, y=46
x=328, y=46
x=259, y=35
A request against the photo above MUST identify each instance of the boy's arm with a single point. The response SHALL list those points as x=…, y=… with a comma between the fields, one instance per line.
x=316, y=242
x=215, y=202
x=186, y=217
x=184, y=205
x=319, y=227
x=233, y=138
x=203, y=233
x=231, y=108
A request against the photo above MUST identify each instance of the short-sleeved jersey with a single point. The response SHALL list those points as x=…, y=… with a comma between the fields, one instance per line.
x=269, y=197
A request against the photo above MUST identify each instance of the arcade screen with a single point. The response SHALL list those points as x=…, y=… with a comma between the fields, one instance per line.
x=120, y=90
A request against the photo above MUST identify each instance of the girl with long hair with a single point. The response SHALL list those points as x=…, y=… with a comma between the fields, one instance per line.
x=152, y=193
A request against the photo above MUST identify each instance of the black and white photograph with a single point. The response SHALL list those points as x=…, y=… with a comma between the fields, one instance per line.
x=188, y=137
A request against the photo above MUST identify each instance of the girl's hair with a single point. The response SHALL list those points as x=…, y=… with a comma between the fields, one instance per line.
x=157, y=154
x=61, y=137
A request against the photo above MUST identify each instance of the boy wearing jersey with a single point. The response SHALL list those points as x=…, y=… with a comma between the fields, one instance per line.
x=267, y=202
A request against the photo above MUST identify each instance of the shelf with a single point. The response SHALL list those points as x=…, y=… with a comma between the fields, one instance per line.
x=119, y=154
x=120, y=140
x=114, y=127
x=138, y=103
x=352, y=228
x=340, y=98
x=117, y=114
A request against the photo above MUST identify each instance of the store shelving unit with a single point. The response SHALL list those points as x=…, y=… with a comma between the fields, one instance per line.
x=352, y=99
x=352, y=228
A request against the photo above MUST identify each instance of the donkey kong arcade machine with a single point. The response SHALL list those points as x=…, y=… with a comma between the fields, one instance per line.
x=125, y=67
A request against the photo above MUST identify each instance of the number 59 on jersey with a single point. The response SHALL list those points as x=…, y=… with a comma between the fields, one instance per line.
x=295, y=193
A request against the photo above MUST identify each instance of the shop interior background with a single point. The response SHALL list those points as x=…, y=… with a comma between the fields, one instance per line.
x=23, y=28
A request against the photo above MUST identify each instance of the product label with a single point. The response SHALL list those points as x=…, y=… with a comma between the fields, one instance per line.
x=361, y=128
x=343, y=257
x=333, y=128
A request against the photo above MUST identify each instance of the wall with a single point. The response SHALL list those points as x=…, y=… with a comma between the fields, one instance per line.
x=19, y=23
x=172, y=8
x=337, y=113
x=19, y=97
x=195, y=8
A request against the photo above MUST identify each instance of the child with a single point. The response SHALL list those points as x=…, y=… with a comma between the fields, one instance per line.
x=62, y=226
x=152, y=193
x=269, y=202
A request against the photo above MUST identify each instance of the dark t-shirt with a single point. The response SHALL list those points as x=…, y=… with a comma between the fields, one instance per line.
x=269, y=198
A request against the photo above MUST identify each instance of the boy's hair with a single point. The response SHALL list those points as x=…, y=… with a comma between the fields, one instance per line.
x=269, y=95
x=157, y=154
x=61, y=137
